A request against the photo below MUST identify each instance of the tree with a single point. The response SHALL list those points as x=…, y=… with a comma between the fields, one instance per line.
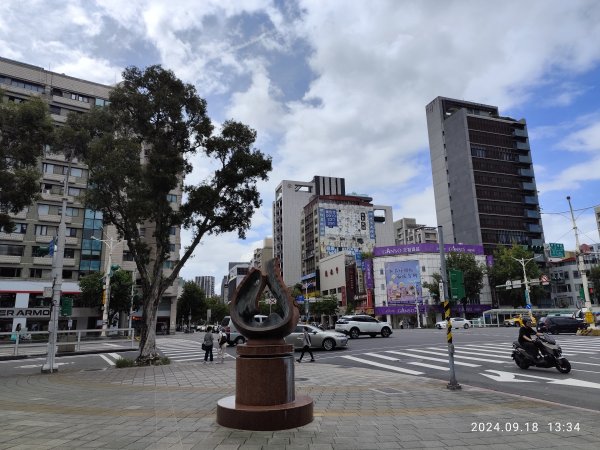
x=191, y=301
x=156, y=119
x=327, y=306
x=473, y=273
x=24, y=130
x=506, y=267
x=92, y=286
x=594, y=279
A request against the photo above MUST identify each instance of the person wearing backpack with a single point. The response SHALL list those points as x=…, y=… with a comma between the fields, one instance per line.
x=222, y=343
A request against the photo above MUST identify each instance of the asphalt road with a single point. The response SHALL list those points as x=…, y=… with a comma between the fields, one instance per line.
x=482, y=359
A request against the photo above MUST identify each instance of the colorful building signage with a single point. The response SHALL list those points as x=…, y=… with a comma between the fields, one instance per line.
x=426, y=248
x=403, y=281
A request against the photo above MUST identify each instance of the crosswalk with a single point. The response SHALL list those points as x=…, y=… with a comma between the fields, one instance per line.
x=184, y=350
x=481, y=355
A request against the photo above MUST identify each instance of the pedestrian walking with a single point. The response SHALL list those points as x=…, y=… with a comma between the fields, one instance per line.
x=207, y=345
x=222, y=342
x=306, y=346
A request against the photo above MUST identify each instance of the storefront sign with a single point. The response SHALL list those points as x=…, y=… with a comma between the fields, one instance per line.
x=33, y=313
x=427, y=248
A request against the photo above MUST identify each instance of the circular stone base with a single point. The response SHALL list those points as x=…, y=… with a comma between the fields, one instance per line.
x=265, y=418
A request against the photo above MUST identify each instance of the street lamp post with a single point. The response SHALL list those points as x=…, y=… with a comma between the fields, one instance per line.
x=110, y=243
x=132, y=294
x=523, y=263
x=582, y=273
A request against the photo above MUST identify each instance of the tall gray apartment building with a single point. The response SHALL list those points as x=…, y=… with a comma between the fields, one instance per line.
x=484, y=184
x=24, y=268
x=290, y=199
x=207, y=284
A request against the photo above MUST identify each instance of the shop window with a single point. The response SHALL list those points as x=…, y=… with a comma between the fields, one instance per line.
x=10, y=272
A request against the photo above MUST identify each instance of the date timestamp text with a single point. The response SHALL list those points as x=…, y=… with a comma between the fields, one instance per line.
x=525, y=427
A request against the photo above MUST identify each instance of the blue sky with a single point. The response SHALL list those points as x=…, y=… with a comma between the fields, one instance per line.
x=339, y=88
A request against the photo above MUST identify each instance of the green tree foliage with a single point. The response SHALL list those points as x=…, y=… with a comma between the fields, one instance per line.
x=327, y=306
x=24, y=130
x=218, y=309
x=155, y=118
x=191, y=301
x=473, y=273
x=506, y=267
x=92, y=286
x=594, y=279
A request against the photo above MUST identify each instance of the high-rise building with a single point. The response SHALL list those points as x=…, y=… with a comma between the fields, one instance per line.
x=237, y=272
x=207, y=284
x=24, y=270
x=408, y=231
x=263, y=254
x=290, y=199
x=597, y=212
x=484, y=184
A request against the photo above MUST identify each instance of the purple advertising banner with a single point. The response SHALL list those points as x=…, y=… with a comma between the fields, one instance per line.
x=403, y=281
x=367, y=265
x=455, y=310
x=426, y=248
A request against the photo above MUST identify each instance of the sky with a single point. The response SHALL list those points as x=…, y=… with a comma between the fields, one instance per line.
x=339, y=87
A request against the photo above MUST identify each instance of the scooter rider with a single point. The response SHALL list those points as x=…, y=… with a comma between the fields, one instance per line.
x=525, y=338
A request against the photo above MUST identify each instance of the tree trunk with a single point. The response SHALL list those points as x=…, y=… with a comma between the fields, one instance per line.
x=148, y=350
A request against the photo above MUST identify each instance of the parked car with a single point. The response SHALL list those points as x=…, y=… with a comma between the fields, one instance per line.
x=517, y=321
x=327, y=340
x=457, y=322
x=558, y=324
x=356, y=325
x=234, y=337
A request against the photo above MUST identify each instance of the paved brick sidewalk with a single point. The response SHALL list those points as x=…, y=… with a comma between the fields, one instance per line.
x=174, y=407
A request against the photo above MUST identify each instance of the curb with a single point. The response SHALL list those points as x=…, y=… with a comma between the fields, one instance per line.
x=61, y=354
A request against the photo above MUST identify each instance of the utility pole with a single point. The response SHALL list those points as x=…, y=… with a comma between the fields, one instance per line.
x=453, y=384
x=57, y=270
x=110, y=243
x=132, y=294
x=589, y=318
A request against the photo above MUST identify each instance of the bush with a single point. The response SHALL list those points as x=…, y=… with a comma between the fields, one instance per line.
x=124, y=362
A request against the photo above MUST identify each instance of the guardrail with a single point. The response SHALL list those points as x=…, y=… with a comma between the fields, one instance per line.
x=36, y=342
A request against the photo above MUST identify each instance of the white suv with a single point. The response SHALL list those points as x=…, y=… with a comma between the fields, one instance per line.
x=359, y=324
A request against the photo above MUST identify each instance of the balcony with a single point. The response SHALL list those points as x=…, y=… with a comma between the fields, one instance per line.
x=529, y=187
x=534, y=228
x=525, y=158
x=519, y=132
x=522, y=145
x=11, y=237
x=43, y=239
x=69, y=262
x=10, y=259
x=531, y=214
x=526, y=172
x=42, y=260
x=530, y=200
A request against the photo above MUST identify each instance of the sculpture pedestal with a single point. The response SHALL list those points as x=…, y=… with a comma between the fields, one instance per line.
x=265, y=397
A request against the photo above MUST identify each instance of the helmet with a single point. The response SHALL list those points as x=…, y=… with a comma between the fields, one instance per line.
x=527, y=321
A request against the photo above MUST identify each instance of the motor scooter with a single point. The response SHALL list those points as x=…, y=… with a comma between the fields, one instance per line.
x=550, y=355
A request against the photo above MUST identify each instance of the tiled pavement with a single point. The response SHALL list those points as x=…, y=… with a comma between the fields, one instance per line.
x=174, y=407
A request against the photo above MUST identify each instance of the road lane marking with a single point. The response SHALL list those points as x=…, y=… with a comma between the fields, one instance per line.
x=429, y=358
x=108, y=360
x=431, y=366
x=377, y=355
x=471, y=352
x=384, y=366
x=510, y=376
x=472, y=358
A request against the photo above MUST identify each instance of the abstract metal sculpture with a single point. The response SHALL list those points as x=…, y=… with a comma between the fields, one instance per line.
x=265, y=397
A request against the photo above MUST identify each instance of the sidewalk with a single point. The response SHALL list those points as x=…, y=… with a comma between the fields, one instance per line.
x=174, y=407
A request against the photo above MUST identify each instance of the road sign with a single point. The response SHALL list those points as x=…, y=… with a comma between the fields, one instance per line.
x=300, y=299
x=508, y=284
x=544, y=279
x=516, y=284
x=557, y=250
x=527, y=306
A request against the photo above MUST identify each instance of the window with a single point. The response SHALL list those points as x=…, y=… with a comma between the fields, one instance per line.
x=10, y=272
x=11, y=250
x=38, y=251
x=171, y=247
x=36, y=273
x=43, y=210
x=71, y=232
x=173, y=231
x=41, y=230
x=75, y=192
x=71, y=212
x=69, y=253
x=142, y=232
x=20, y=228
x=76, y=172
x=168, y=265
x=127, y=256
x=171, y=198
x=67, y=274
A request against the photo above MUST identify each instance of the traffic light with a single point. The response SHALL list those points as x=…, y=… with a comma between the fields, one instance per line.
x=457, y=284
x=113, y=269
x=66, y=306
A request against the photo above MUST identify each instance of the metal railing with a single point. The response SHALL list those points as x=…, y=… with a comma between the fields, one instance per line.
x=36, y=342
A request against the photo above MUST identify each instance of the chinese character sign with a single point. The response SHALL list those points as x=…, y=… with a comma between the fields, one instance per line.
x=331, y=218
x=403, y=281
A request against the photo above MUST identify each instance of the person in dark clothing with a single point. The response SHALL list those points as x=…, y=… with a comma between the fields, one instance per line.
x=306, y=348
x=526, y=340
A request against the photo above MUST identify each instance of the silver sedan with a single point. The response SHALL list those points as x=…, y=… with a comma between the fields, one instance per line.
x=327, y=340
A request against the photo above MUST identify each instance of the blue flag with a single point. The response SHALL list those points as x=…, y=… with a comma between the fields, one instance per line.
x=52, y=246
